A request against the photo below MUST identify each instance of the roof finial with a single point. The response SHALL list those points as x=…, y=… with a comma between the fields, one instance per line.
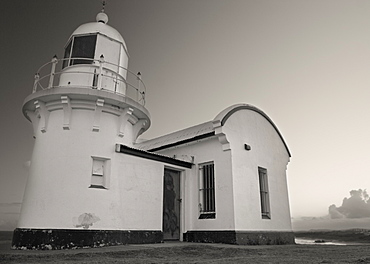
x=102, y=17
x=103, y=3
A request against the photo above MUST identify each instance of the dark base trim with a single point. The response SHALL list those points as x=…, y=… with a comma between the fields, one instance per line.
x=241, y=237
x=24, y=238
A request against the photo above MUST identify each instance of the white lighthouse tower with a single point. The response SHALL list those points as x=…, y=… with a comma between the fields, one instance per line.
x=80, y=108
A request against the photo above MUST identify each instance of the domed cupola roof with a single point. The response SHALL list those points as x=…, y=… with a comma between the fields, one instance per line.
x=101, y=27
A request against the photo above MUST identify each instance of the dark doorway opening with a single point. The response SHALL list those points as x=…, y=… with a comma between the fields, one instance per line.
x=171, y=205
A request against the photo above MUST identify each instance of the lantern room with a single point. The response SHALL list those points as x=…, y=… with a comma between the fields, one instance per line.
x=95, y=56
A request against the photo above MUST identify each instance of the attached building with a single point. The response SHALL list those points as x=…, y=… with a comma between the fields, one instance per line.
x=236, y=191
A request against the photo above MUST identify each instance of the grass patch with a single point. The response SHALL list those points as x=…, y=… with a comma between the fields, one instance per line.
x=199, y=254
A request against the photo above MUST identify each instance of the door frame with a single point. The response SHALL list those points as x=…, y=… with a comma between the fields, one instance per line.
x=181, y=197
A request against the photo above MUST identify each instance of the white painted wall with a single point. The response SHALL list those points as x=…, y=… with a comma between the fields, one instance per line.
x=268, y=151
x=139, y=185
x=79, y=75
x=57, y=193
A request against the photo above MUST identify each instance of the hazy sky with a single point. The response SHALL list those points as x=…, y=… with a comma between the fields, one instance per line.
x=304, y=63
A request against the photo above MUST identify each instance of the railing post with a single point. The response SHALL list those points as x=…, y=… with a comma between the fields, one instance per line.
x=138, y=75
x=54, y=62
x=143, y=97
x=101, y=62
x=37, y=77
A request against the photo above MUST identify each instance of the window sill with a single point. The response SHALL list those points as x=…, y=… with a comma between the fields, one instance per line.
x=97, y=187
x=266, y=217
x=207, y=216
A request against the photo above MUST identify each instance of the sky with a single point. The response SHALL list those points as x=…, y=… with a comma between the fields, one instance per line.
x=306, y=64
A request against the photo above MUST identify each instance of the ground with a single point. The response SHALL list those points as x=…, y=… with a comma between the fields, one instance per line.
x=188, y=253
x=180, y=252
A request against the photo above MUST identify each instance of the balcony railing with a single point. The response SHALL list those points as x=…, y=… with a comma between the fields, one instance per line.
x=48, y=76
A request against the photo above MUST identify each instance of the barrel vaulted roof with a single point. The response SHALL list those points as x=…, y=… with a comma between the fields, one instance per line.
x=202, y=130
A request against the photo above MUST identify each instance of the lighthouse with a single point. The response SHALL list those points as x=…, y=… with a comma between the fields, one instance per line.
x=92, y=183
x=82, y=106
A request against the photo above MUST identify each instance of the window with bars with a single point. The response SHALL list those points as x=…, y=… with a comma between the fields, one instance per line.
x=264, y=193
x=207, y=204
x=80, y=47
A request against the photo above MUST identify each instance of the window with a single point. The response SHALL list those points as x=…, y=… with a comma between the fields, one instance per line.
x=99, y=173
x=80, y=47
x=264, y=193
x=207, y=206
x=67, y=54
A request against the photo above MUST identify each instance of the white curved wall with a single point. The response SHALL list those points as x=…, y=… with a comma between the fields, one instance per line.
x=57, y=193
x=267, y=151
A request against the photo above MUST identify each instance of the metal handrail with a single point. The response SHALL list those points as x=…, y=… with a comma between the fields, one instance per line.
x=100, y=65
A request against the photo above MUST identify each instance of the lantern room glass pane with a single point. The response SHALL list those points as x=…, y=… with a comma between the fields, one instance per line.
x=83, y=47
x=67, y=54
